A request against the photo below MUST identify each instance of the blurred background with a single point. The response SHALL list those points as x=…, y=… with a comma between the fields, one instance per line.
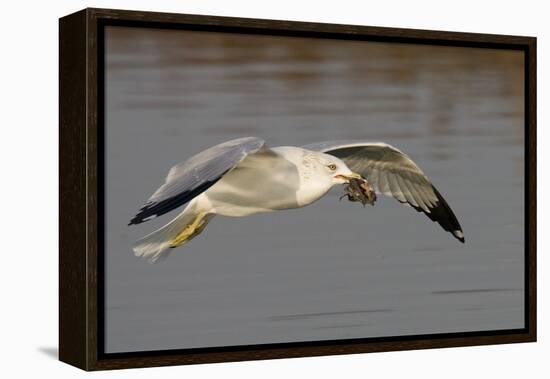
x=332, y=270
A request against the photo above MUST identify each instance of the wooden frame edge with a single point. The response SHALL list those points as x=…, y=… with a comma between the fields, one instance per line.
x=531, y=163
x=303, y=352
x=72, y=190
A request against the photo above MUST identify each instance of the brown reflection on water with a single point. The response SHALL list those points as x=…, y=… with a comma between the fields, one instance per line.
x=387, y=85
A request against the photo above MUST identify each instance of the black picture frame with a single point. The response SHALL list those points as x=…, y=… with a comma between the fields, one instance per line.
x=81, y=163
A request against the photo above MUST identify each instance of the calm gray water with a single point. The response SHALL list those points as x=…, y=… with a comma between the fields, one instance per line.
x=333, y=270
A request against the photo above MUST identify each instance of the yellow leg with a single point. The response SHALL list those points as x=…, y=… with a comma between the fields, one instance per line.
x=190, y=230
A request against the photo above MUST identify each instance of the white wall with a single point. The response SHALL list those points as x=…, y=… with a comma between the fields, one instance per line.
x=29, y=184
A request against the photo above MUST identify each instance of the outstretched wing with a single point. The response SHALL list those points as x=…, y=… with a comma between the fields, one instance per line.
x=392, y=173
x=188, y=179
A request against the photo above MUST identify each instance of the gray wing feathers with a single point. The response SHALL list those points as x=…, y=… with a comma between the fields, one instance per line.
x=392, y=173
x=189, y=179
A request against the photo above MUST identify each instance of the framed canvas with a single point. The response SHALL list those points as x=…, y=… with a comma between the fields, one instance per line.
x=241, y=189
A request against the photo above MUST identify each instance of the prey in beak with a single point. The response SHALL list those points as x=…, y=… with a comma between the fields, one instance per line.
x=358, y=189
x=347, y=178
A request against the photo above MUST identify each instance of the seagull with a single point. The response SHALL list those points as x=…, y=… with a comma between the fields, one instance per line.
x=244, y=176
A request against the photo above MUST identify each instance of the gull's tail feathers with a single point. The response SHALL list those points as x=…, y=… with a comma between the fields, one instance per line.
x=187, y=225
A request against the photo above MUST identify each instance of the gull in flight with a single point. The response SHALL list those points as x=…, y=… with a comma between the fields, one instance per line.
x=244, y=176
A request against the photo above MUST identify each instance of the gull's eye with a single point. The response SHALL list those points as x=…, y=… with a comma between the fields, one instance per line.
x=332, y=167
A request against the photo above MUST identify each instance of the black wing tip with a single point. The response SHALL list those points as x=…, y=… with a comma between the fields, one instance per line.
x=154, y=209
x=447, y=219
x=136, y=220
x=139, y=218
x=459, y=235
x=442, y=213
x=144, y=214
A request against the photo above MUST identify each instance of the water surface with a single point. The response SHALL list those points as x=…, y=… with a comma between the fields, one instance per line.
x=333, y=270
